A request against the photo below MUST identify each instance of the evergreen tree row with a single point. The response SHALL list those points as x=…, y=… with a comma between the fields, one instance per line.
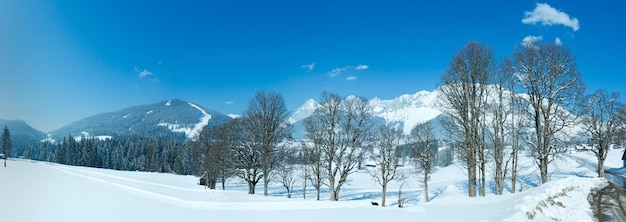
x=130, y=153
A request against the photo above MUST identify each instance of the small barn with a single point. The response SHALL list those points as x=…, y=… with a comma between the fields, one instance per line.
x=202, y=180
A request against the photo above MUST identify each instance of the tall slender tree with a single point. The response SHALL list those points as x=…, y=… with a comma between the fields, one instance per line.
x=387, y=140
x=266, y=123
x=6, y=144
x=501, y=125
x=547, y=74
x=424, y=136
x=602, y=118
x=339, y=128
x=462, y=97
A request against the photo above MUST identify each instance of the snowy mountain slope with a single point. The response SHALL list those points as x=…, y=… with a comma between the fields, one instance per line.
x=23, y=135
x=172, y=118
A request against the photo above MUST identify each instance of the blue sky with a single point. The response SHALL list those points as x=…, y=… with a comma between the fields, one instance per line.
x=64, y=60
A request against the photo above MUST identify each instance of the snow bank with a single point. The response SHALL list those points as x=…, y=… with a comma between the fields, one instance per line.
x=561, y=200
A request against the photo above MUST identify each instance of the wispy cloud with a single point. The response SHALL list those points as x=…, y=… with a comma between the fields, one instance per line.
x=146, y=74
x=361, y=67
x=351, y=78
x=308, y=67
x=337, y=71
x=531, y=40
x=230, y=102
x=547, y=15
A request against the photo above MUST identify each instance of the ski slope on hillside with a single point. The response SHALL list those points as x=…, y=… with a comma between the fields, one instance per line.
x=40, y=191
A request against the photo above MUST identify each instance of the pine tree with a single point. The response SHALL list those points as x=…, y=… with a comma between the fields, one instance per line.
x=6, y=144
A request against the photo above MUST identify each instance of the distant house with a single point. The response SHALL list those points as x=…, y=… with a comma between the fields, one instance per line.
x=202, y=180
x=1, y=155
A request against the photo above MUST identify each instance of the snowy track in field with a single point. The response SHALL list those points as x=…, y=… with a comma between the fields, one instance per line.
x=196, y=197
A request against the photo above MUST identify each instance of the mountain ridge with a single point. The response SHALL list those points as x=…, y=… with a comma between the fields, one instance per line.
x=172, y=118
x=403, y=112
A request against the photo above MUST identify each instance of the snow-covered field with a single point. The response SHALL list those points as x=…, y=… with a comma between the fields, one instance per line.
x=40, y=191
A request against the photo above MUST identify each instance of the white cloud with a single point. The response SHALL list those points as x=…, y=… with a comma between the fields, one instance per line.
x=557, y=41
x=230, y=102
x=351, y=78
x=145, y=73
x=337, y=71
x=361, y=67
x=309, y=67
x=546, y=15
x=531, y=40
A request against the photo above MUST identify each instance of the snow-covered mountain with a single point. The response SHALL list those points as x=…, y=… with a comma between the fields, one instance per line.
x=403, y=112
x=303, y=111
x=406, y=111
x=172, y=118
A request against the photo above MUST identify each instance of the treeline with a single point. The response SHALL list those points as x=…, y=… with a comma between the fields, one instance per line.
x=132, y=153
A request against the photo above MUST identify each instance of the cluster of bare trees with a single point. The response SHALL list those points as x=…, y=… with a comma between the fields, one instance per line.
x=493, y=110
x=529, y=101
x=248, y=147
x=339, y=130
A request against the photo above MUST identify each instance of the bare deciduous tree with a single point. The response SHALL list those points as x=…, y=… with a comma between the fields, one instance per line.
x=246, y=153
x=387, y=140
x=339, y=128
x=499, y=111
x=547, y=74
x=313, y=162
x=287, y=171
x=266, y=123
x=208, y=150
x=424, y=136
x=515, y=126
x=462, y=98
x=602, y=117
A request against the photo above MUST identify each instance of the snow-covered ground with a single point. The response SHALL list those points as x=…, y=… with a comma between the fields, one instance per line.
x=40, y=191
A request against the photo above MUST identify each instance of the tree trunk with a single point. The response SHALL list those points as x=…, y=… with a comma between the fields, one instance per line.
x=251, y=186
x=482, y=174
x=318, y=193
x=600, y=167
x=544, y=168
x=223, y=182
x=288, y=192
x=331, y=186
x=499, y=179
x=306, y=176
x=426, y=199
x=265, y=184
x=514, y=165
x=471, y=178
x=382, y=202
